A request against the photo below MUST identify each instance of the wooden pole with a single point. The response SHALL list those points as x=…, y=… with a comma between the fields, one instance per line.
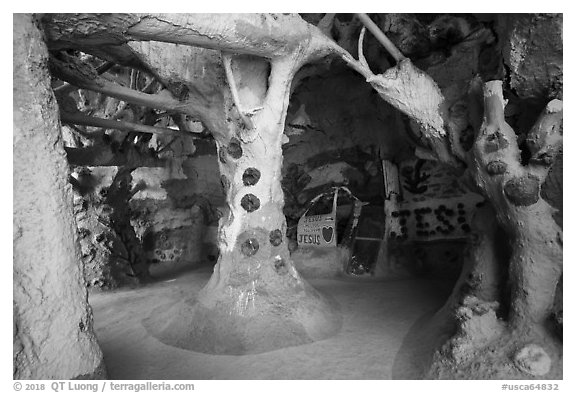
x=381, y=37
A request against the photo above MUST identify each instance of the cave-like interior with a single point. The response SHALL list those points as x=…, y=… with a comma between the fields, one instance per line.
x=288, y=196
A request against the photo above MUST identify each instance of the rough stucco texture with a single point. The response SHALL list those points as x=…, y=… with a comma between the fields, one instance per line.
x=533, y=52
x=553, y=187
x=53, y=335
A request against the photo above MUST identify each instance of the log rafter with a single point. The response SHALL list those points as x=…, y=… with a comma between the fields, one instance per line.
x=402, y=86
x=235, y=33
x=81, y=119
x=82, y=76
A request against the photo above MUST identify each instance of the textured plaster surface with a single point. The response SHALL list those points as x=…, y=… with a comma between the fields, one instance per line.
x=53, y=336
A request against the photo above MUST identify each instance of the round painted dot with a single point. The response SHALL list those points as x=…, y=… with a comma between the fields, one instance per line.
x=250, y=247
x=523, y=190
x=234, y=148
x=496, y=167
x=250, y=202
x=276, y=237
x=280, y=266
x=250, y=176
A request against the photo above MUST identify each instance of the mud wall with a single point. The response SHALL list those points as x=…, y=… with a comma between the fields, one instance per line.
x=532, y=49
x=434, y=204
x=432, y=225
x=104, y=256
x=174, y=212
x=338, y=131
x=52, y=321
x=177, y=214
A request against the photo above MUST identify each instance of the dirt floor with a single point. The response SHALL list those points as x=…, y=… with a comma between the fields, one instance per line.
x=380, y=336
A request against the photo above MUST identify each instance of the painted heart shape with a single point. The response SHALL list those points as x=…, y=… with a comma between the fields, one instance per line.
x=327, y=233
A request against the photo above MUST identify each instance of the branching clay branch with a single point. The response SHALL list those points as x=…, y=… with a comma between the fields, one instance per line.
x=227, y=60
x=411, y=91
x=361, y=57
x=545, y=138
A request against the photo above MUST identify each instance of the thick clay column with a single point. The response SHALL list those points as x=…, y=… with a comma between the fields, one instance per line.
x=513, y=190
x=53, y=335
x=255, y=301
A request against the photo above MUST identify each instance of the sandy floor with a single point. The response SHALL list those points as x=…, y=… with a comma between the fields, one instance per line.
x=380, y=336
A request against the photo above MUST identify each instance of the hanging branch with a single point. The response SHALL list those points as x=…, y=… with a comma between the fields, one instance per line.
x=361, y=57
x=409, y=90
x=381, y=37
x=227, y=60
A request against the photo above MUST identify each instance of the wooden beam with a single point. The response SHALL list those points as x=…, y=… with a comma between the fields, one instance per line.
x=235, y=33
x=67, y=87
x=381, y=37
x=85, y=77
x=81, y=119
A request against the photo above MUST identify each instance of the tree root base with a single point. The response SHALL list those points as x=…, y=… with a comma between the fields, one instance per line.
x=224, y=330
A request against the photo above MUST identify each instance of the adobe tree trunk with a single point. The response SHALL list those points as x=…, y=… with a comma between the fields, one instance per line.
x=255, y=301
x=514, y=192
